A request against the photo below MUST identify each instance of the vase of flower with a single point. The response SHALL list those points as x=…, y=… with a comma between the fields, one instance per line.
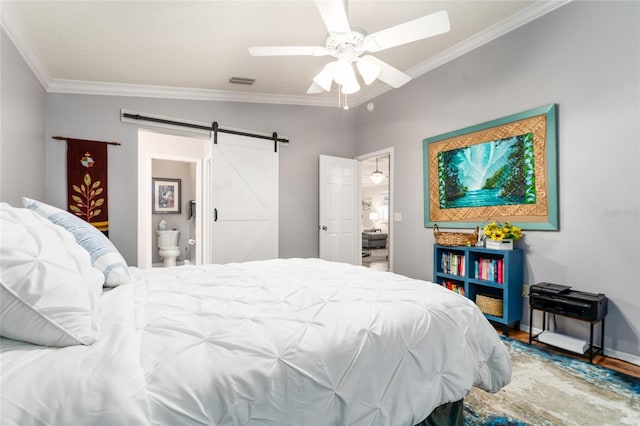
x=501, y=236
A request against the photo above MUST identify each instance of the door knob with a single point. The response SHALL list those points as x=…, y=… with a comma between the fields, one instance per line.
x=324, y=227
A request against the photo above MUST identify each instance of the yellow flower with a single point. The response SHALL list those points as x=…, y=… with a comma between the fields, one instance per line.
x=497, y=231
x=517, y=233
x=498, y=235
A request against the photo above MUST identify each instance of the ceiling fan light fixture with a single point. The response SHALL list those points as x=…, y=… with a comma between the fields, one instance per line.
x=351, y=86
x=368, y=70
x=314, y=88
x=325, y=77
x=343, y=72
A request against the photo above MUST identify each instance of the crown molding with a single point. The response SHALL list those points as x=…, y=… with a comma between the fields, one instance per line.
x=14, y=29
x=149, y=91
x=11, y=24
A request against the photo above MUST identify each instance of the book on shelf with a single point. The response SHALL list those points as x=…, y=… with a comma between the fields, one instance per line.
x=455, y=287
x=453, y=263
x=489, y=270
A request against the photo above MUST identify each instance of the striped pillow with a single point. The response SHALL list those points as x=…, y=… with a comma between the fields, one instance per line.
x=104, y=255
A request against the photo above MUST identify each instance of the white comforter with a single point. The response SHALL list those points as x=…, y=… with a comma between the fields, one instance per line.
x=280, y=342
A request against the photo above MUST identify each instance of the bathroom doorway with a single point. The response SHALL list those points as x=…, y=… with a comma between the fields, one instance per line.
x=176, y=159
x=376, y=218
x=182, y=176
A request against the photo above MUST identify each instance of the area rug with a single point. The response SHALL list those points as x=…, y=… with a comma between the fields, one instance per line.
x=551, y=389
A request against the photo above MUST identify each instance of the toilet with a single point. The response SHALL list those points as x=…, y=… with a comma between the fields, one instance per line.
x=168, y=246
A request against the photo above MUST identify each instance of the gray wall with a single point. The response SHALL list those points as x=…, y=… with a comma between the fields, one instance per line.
x=312, y=131
x=585, y=57
x=23, y=151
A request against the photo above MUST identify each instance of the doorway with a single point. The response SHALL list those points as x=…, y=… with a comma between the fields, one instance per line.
x=376, y=201
x=183, y=220
x=178, y=158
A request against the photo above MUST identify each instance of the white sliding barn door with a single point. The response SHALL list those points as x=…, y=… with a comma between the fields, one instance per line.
x=244, y=199
x=339, y=210
x=205, y=244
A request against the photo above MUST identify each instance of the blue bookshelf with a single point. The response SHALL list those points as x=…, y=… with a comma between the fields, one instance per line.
x=478, y=271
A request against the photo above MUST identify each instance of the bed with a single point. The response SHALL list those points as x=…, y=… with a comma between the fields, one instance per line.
x=275, y=342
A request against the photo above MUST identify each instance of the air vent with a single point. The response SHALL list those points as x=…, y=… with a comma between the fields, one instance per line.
x=241, y=80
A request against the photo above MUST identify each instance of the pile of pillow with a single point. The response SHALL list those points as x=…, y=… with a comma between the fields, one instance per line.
x=53, y=266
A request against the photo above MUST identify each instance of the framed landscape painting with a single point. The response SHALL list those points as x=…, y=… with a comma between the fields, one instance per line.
x=504, y=170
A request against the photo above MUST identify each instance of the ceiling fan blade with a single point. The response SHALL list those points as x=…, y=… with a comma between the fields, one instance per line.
x=388, y=74
x=314, y=88
x=334, y=15
x=418, y=29
x=288, y=51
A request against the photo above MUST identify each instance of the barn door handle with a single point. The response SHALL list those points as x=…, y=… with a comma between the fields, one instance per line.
x=215, y=215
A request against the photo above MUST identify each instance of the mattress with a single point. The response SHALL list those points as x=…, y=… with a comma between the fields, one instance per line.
x=277, y=342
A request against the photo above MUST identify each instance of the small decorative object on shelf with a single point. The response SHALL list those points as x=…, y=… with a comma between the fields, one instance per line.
x=499, y=244
x=455, y=238
x=501, y=236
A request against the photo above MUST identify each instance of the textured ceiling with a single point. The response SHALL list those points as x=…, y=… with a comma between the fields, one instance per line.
x=195, y=47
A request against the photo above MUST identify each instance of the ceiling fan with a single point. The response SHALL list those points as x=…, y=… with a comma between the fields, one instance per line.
x=348, y=44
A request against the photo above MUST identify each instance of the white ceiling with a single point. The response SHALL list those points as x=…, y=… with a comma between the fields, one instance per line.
x=190, y=49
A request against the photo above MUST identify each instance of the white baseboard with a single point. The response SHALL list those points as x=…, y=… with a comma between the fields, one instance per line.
x=623, y=356
x=611, y=353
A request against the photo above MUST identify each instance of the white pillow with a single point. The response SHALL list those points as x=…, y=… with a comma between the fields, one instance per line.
x=49, y=291
x=104, y=255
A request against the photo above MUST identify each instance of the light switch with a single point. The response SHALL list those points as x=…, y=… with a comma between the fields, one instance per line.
x=397, y=217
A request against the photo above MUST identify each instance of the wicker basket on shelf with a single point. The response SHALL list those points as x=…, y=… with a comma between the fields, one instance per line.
x=489, y=305
x=455, y=238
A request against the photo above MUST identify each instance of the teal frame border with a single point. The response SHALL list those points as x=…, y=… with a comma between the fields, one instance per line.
x=551, y=112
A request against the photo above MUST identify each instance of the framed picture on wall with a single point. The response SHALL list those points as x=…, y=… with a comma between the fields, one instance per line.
x=166, y=196
x=501, y=170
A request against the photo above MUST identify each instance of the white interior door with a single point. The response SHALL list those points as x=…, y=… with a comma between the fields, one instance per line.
x=339, y=210
x=244, y=199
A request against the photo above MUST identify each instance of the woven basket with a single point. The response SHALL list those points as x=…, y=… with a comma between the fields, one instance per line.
x=489, y=305
x=455, y=238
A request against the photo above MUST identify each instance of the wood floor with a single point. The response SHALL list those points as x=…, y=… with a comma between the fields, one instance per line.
x=604, y=361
